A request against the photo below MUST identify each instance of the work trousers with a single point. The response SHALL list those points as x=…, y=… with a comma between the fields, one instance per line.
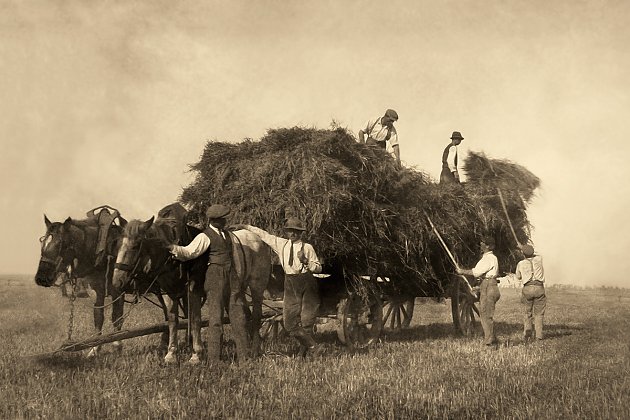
x=489, y=294
x=301, y=303
x=447, y=177
x=534, y=303
x=223, y=288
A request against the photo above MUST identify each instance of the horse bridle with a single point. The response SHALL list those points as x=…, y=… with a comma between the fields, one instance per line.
x=59, y=258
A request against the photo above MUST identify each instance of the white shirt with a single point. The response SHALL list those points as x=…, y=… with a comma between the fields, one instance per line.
x=378, y=132
x=450, y=160
x=196, y=247
x=487, y=267
x=282, y=247
x=530, y=269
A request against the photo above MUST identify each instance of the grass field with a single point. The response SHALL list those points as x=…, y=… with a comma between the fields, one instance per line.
x=579, y=371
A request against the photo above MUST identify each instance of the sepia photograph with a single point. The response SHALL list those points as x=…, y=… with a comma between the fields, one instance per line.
x=302, y=209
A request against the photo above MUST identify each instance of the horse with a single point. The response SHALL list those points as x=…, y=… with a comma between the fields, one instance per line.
x=145, y=244
x=69, y=247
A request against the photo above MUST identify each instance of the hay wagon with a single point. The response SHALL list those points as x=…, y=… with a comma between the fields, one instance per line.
x=361, y=307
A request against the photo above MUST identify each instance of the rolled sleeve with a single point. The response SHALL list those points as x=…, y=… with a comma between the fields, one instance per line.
x=198, y=246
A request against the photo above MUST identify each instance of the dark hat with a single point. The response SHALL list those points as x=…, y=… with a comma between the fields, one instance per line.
x=528, y=250
x=489, y=241
x=217, y=211
x=391, y=114
x=294, y=223
x=457, y=135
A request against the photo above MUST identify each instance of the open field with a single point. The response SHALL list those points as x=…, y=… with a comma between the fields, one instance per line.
x=580, y=371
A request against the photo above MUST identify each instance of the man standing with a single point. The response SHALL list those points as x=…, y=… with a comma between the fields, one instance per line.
x=530, y=271
x=380, y=131
x=221, y=281
x=450, y=174
x=301, y=291
x=486, y=269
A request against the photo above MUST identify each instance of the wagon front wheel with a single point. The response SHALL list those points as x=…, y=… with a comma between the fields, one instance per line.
x=398, y=311
x=463, y=307
x=360, y=320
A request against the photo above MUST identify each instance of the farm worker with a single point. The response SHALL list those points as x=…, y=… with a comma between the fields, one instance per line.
x=380, y=131
x=449, y=174
x=221, y=281
x=486, y=269
x=301, y=291
x=530, y=271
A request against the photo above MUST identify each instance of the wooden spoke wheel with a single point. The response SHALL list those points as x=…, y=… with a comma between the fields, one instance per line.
x=271, y=328
x=398, y=311
x=360, y=320
x=463, y=307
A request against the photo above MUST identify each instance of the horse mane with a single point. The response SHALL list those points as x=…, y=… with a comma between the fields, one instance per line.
x=158, y=231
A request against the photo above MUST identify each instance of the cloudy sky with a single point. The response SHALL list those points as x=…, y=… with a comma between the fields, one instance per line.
x=108, y=102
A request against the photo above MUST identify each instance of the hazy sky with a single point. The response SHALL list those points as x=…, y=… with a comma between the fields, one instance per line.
x=108, y=102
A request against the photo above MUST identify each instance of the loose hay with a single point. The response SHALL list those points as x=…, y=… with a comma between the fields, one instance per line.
x=365, y=215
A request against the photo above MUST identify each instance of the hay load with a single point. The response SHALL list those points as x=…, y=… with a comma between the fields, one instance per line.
x=365, y=215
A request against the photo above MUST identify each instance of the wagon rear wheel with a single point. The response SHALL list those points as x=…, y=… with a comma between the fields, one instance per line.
x=463, y=307
x=398, y=312
x=360, y=320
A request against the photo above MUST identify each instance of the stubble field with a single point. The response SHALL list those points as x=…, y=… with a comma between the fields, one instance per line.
x=579, y=371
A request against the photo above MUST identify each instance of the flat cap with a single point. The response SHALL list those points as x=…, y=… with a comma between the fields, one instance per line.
x=217, y=211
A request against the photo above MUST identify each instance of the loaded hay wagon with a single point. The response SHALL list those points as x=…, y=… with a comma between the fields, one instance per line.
x=386, y=234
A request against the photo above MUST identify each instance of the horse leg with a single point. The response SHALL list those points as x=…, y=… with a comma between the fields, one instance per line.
x=164, y=336
x=195, y=327
x=173, y=320
x=257, y=297
x=99, y=312
x=118, y=300
x=238, y=319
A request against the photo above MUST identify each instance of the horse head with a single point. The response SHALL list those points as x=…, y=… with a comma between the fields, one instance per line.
x=133, y=254
x=58, y=250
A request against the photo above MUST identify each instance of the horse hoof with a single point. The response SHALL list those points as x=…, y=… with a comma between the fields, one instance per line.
x=92, y=353
x=170, y=358
x=194, y=360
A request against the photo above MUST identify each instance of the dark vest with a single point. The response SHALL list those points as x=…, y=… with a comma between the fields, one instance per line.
x=220, y=249
x=445, y=157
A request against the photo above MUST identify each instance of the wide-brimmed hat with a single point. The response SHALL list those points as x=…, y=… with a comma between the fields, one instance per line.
x=456, y=135
x=217, y=211
x=295, y=224
x=527, y=250
x=391, y=114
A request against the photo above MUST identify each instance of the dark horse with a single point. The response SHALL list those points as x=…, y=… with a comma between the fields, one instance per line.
x=145, y=248
x=70, y=246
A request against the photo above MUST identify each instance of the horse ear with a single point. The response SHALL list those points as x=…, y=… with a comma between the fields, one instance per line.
x=67, y=222
x=148, y=223
x=47, y=222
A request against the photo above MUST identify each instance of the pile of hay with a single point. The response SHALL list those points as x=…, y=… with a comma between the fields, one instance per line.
x=364, y=214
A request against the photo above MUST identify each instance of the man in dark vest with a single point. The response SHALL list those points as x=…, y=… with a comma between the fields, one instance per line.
x=450, y=174
x=216, y=240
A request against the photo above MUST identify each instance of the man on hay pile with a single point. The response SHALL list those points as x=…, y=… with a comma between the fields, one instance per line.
x=380, y=131
x=486, y=269
x=217, y=242
x=450, y=174
x=301, y=291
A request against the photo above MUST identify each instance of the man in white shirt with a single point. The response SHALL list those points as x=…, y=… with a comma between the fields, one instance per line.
x=530, y=270
x=380, y=131
x=301, y=291
x=486, y=269
x=217, y=242
x=450, y=173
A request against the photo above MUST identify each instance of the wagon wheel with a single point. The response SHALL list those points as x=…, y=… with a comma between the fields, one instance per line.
x=398, y=311
x=271, y=328
x=463, y=307
x=360, y=321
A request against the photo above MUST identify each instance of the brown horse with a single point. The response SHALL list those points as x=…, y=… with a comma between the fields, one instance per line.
x=144, y=256
x=70, y=246
x=144, y=264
